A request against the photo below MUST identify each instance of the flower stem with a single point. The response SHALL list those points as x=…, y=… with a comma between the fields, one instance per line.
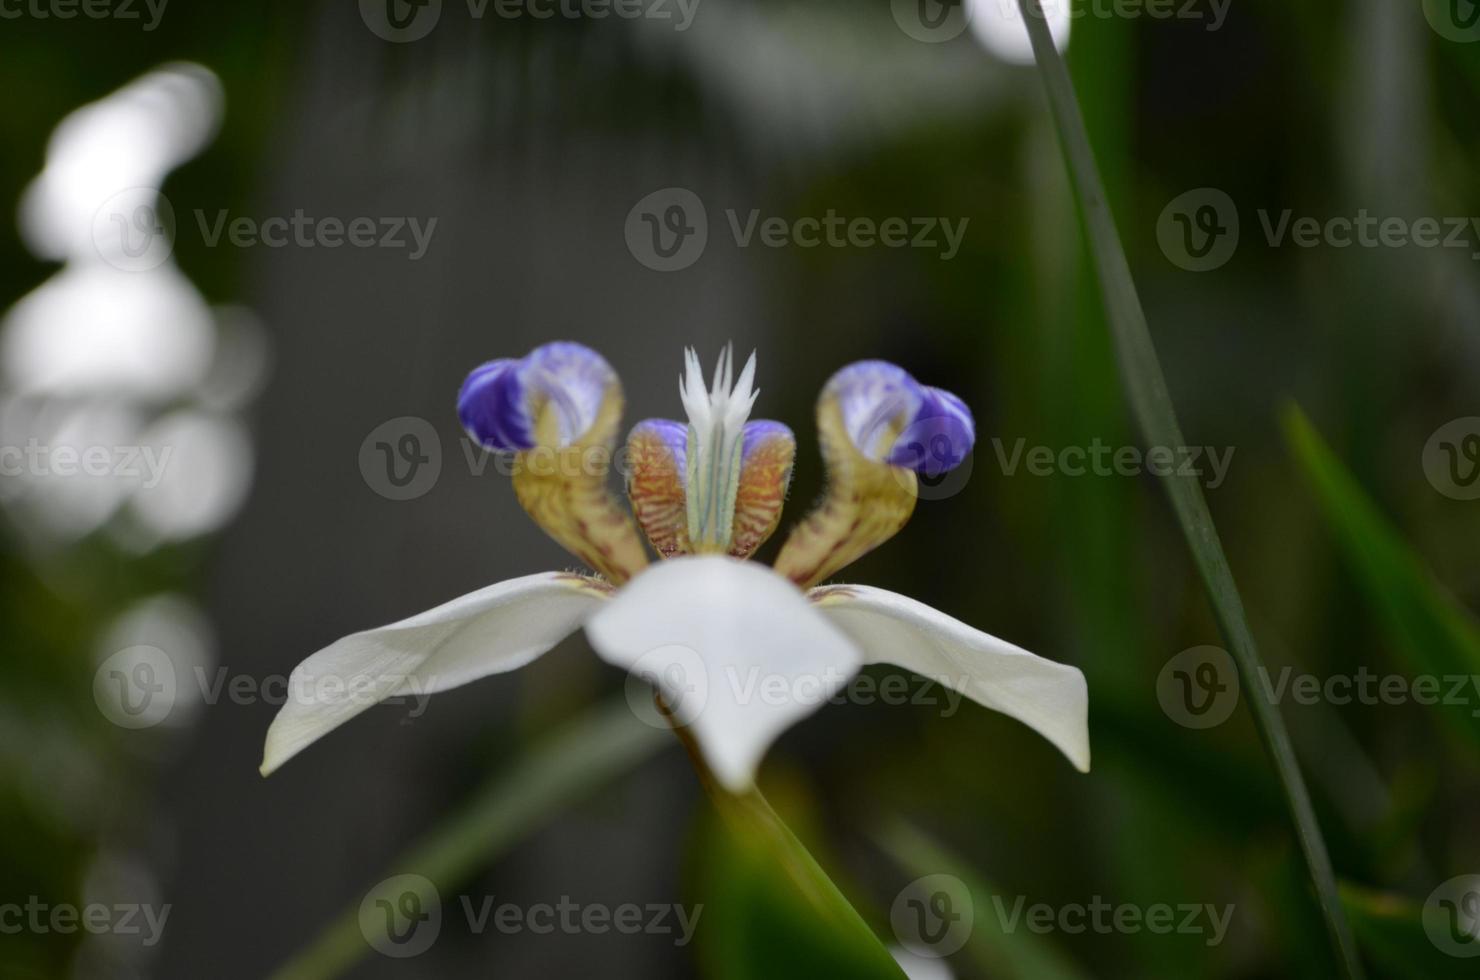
x=749, y=817
x=1152, y=405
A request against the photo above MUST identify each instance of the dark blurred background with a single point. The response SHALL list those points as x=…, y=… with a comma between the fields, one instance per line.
x=264, y=371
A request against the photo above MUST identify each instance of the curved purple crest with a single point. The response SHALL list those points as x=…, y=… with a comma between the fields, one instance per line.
x=501, y=400
x=760, y=431
x=928, y=430
x=673, y=435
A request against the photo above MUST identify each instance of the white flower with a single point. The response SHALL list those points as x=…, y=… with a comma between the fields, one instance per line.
x=739, y=652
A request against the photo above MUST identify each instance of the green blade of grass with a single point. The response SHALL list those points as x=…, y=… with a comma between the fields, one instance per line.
x=1152, y=406
x=1431, y=630
x=572, y=763
x=774, y=913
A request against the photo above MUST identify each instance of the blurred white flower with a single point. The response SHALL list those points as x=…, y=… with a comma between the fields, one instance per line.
x=130, y=139
x=999, y=26
x=119, y=333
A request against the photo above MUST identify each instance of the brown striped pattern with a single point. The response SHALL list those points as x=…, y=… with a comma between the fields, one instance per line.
x=866, y=504
x=655, y=487
x=764, y=479
x=568, y=497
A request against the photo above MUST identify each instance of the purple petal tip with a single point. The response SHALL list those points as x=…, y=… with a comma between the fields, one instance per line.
x=499, y=401
x=936, y=429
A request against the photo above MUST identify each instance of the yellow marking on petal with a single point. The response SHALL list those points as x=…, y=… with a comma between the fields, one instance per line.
x=764, y=478
x=655, y=488
x=564, y=489
x=593, y=585
x=866, y=504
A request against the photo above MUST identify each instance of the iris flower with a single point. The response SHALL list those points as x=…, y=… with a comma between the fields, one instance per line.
x=737, y=651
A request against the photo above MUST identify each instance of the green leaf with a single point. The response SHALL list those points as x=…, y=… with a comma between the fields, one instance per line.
x=770, y=910
x=1431, y=630
x=1390, y=928
x=1019, y=955
x=1151, y=403
x=571, y=764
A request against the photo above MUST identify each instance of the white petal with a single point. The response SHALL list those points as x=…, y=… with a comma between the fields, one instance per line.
x=917, y=967
x=1049, y=697
x=500, y=628
x=739, y=652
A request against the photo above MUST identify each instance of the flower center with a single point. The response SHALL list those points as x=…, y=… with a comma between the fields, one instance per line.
x=716, y=434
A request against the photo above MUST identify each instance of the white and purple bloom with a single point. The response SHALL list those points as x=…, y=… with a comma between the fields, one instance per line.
x=754, y=649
